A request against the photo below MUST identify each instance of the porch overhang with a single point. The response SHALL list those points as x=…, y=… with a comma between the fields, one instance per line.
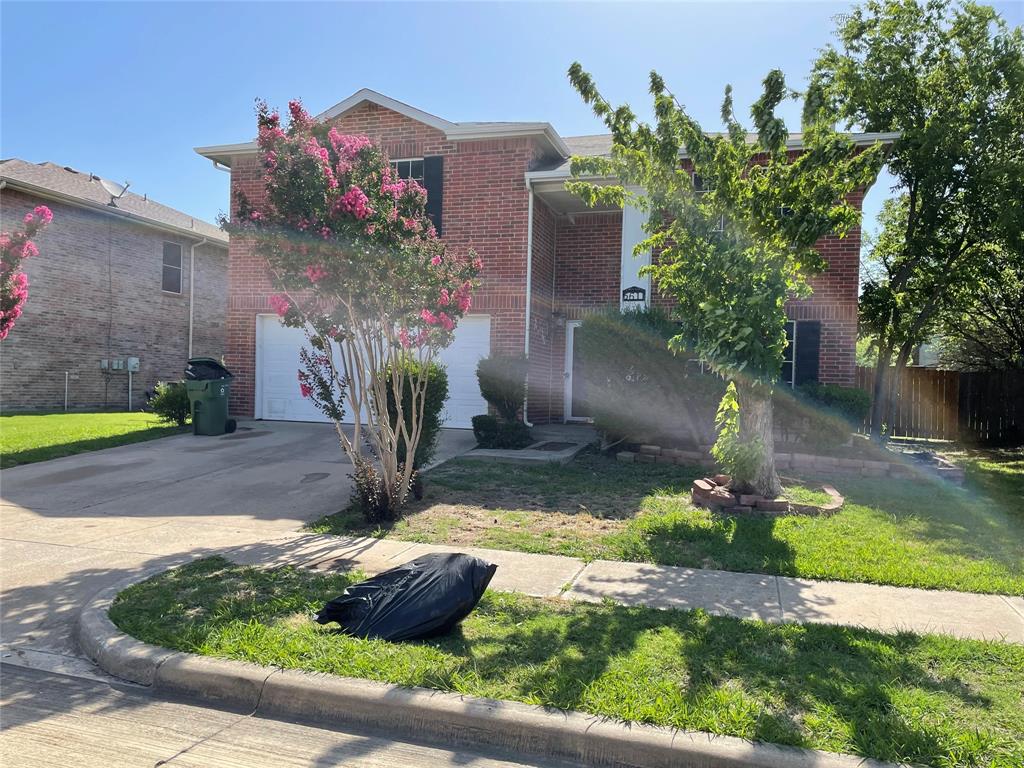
x=549, y=187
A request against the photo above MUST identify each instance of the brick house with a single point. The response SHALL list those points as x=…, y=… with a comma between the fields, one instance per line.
x=499, y=188
x=112, y=282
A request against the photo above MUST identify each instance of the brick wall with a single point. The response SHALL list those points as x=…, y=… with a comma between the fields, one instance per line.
x=485, y=209
x=544, y=392
x=95, y=293
x=587, y=268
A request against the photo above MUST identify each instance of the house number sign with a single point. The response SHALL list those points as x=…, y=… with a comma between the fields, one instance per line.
x=634, y=293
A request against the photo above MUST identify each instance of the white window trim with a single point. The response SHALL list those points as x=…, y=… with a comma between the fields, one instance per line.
x=181, y=268
x=394, y=161
x=792, y=361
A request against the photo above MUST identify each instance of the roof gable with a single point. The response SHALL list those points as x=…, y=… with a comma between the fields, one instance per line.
x=552, y=145
x=367, y=95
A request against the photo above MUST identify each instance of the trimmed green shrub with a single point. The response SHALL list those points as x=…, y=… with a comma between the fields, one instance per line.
x=807, y=423
x=490, y=432
x=850, y=403
x=170, y=402
x=636, y=388
x=436, y=395
x=503, y=383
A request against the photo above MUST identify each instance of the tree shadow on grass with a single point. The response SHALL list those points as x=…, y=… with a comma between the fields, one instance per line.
x=813, y=686
x=895, y=697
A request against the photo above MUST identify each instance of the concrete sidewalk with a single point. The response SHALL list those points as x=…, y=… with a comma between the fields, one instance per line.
x=723, y=593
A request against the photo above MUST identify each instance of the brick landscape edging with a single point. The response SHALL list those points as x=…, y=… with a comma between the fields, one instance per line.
x=655, y=454
x=441, y=718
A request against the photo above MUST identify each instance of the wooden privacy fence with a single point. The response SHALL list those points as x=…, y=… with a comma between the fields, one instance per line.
x=971, y=407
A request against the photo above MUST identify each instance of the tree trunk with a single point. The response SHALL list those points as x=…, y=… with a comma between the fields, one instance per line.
x=756, y=428
x=880, y=390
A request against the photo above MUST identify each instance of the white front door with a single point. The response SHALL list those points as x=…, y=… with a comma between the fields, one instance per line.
x=277, y=366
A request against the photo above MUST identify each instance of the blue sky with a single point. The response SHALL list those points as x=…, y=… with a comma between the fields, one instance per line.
x=126, y=90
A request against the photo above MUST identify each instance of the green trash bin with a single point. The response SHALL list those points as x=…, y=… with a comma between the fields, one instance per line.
x=208, y=384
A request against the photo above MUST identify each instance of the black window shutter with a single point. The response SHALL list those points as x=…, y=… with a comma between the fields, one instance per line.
x=808, y=341
x=433, y=182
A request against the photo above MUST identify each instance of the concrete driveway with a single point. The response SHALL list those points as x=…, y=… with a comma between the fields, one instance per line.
x=70, y=526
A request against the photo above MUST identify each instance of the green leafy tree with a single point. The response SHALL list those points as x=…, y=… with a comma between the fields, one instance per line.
x=950, y=78
x=985, y=331
x=731, y=282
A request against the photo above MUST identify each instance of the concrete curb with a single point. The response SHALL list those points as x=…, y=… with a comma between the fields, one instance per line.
x=419, y=714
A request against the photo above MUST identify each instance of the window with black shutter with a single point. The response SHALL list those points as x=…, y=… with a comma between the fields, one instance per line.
x=433, y=182
x=805, y=352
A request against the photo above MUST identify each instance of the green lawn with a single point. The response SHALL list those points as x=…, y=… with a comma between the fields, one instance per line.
x=916, y=533
x=922, y=699
x=25, y=438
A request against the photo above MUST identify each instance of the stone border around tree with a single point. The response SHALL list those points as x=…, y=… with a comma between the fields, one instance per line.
x=713, y=493
x=418, y=714
x=655, y=454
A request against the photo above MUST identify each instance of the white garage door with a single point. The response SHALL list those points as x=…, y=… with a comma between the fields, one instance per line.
x=472, y=342
x=277, y=365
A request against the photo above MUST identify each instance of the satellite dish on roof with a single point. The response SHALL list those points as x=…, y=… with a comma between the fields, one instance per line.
x=114, y=189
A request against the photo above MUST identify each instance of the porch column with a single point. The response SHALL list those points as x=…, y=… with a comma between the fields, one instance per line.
x=634, y=290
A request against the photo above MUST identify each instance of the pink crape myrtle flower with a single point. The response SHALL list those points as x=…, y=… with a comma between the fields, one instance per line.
x=462, y=297
x=313, y=149
x=436, y=261
x=403, y=338
x=444, y=299
x=347, y=146
x=279, y=304
x=446, y=322
x=300, y=117
x=44, y=214
x=315, y=273
x=429, y=317
x=356, y=203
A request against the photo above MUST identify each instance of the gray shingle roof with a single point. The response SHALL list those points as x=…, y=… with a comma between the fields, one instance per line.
x=85, y=187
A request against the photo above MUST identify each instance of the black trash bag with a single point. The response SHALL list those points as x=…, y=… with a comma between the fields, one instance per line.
x=423, y=598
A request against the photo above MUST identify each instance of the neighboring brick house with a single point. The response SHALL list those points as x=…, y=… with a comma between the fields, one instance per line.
x=111, y=283
x=499, y=188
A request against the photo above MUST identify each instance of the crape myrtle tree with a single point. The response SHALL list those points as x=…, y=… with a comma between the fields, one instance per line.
x=730, y=282
x=359, y=267
x=950, y=78
x=14, y=249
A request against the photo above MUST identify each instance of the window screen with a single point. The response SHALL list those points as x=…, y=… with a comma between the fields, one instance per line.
x=172, y=268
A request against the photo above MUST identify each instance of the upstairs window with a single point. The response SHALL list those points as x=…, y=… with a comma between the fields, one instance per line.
x=702, y=185
x=172, y=268
x=411, y=168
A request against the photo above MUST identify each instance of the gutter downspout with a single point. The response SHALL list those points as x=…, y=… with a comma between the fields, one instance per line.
x=529, y=292
x=192, y=289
